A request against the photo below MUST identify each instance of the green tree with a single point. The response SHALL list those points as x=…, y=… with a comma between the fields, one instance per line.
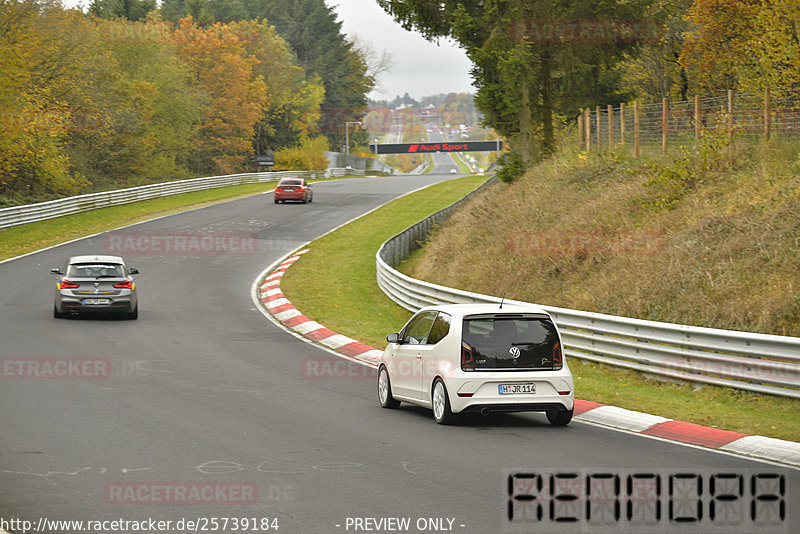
x=122, y=9
x=653, y=70
x=532, y=61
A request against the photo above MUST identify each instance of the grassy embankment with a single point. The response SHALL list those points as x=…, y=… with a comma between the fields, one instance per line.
x=707, y=237
x=656, y=239
x=335, y=282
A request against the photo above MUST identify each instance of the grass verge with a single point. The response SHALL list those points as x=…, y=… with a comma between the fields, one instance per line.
x=335, y=285
x=22, y=239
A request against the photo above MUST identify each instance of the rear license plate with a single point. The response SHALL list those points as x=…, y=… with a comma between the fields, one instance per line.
x=96, y=301
x=516, y=389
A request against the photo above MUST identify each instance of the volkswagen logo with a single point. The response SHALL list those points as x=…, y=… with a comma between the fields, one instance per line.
x=514, y=352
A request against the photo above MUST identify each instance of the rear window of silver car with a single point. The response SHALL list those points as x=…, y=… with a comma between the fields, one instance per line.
x=95, y=270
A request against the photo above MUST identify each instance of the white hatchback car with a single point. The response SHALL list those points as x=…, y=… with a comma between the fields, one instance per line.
x=483, y=358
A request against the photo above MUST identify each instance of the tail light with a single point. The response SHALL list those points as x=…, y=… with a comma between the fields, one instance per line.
x=467, y=359
x=66, y=284
x=557, y=357
x=125, y=285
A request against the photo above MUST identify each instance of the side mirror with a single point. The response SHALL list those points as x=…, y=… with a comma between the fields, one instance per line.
x=56, y=271
x=393, y=338
x=133, y=270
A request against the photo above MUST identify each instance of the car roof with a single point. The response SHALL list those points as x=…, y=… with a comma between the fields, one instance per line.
x=96, y=259
x=292, y=179
x=462, y=310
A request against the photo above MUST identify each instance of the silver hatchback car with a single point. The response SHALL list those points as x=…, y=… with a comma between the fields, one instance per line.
x=95, y=284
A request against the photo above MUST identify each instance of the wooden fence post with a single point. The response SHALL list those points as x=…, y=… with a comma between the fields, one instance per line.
x=622, y=123
x=696, y=119
x=730, y=115
x=587, y=128
x=664, y=119
x=610, y=127
x=635, y=128
x=767, y=114
x=599, y=137
x=581, y=137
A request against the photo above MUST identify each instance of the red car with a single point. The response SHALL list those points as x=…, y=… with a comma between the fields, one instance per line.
x=293, y=189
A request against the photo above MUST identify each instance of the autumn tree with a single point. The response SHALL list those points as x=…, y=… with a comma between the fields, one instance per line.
x=716, y=51
x=52, y=71
x=292, y=109
x=315, y=36
x=747, y=44
x=235, y=96
x=154, y=108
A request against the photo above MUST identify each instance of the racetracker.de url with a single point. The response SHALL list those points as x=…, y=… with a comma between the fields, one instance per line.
x=198, y=524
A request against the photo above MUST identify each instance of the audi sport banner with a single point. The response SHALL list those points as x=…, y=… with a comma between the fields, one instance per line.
x=428, y=148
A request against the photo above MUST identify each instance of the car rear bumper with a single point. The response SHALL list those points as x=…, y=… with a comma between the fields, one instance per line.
x=476, y=391
x=76, y=305
x=290, y=196
x=521, y=407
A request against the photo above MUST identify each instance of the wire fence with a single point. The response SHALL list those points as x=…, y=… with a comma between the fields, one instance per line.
x=658, y=126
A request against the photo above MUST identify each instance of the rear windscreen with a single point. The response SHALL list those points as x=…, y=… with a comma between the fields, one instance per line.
x=95, y=270
x=512, y=343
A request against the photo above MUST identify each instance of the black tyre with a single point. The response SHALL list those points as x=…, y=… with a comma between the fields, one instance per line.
x=442, y=413
x=385, y=390
x=133, y=314
x=277, y=201
x=57, y=314
x=559, y=417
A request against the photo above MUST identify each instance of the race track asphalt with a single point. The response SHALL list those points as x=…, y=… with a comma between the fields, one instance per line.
x=203, y=389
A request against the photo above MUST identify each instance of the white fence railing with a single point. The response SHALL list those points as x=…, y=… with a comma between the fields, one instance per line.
x=67, y=206
x=755, y=362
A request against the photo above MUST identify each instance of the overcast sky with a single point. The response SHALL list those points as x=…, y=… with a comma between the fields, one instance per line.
x=419, y=67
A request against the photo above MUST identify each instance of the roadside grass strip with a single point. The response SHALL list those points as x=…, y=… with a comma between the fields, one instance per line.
x=774, y=450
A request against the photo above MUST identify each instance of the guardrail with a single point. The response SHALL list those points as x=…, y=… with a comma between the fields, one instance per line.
x=338, y=172
x=67, y=206
x=755, y=362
